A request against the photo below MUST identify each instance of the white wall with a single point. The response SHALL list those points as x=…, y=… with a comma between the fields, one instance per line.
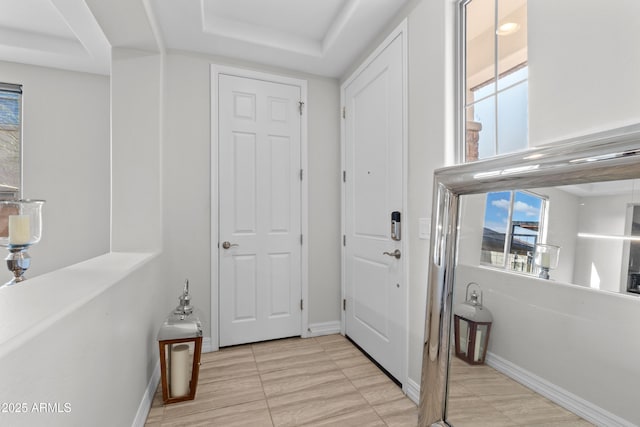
x=583, y=67
x=186, y=174
x=324, y=201
x=85, y=335
x=574, y=337
x=562, y=230
x=187, y=182
x=430, y=119
x=136, y=109
x=430, y=146
x=65, y=161
x=82, y=339
x=601, y=215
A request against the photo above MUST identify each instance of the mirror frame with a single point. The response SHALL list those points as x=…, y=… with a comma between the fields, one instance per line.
x=604, y=156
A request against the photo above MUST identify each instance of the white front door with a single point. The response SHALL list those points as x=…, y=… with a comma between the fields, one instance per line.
x=374, y=289
x=259, y=206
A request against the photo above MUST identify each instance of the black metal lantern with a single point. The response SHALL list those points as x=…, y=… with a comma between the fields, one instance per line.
x=180, y=343
x=472, y=326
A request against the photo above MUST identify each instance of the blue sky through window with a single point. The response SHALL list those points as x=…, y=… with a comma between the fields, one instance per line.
x=526, y=208
x=496, y=214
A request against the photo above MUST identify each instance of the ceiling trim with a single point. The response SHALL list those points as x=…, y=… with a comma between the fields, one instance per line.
x=339, y=24
x=259, y=35
x=85, y=49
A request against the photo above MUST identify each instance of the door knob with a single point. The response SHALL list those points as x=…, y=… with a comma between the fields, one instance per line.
x=227, y=245
x=395, y=253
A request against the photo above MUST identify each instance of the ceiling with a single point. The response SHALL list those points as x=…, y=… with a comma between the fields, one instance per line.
x=54, y=33
x=321, y=37
x=606, y=188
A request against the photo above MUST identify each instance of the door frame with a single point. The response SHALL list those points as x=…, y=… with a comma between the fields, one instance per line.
x=216, y=70
x=401, y=32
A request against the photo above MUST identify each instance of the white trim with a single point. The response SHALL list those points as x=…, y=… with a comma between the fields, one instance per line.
x=208, y=346
x=324, y=328
x=402, y=29
x=558, y=395
x=412, y=390
x=147, y=397
x=216, y=70
x=399, y=31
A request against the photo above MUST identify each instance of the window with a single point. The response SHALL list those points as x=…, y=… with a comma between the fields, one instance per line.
x=10, y=140
x=494, y=78
x=513, y=224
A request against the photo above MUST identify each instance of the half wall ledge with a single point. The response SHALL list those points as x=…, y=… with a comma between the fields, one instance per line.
x=26, y=310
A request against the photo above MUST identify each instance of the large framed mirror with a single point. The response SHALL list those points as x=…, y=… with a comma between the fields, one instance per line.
x=564, y=346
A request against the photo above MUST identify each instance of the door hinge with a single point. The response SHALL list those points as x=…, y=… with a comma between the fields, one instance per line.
x=344, y=112
x=344, y=176
x=344, y=304
x=301, y=106
x=301, y=174
x=344, y=240
x=301, y=305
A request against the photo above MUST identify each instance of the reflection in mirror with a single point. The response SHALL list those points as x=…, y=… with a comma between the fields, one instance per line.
x=513, y=226
x=568, y=338
x=595, y=225
x=542, y=366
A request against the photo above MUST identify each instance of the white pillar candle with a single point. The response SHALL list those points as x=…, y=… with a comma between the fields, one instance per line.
x=179, y=379
x=19, y=229
x=545, y=259
x=477, y=355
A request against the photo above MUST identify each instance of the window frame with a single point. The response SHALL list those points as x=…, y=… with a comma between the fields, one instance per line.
x=460, y=87
x=508, y=238
x=15, y=89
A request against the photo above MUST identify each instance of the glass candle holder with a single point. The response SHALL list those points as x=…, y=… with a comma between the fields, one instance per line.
x=20, y=227
x=546, y=258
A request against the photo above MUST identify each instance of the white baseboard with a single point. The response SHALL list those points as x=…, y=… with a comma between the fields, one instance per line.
x=207, y=345
x=412, y=390
x=324, y=328
x=147, y=397
x=560, y=396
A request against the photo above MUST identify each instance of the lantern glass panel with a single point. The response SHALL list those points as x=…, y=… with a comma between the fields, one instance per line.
x=463, y=337
x=480, y=342
x=179, y=367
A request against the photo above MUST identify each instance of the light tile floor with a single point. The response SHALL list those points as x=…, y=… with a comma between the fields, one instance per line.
x=322, y=381
x=481, y=396
x=326, y=381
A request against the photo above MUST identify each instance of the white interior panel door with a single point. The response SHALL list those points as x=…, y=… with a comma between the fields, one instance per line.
x=375, y=294
x=259, y=210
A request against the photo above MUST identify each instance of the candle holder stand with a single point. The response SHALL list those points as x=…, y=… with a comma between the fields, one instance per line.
x=18, y=261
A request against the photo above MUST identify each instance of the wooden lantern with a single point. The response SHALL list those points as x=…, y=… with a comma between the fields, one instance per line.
x=180, y=345
x=472, y=327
